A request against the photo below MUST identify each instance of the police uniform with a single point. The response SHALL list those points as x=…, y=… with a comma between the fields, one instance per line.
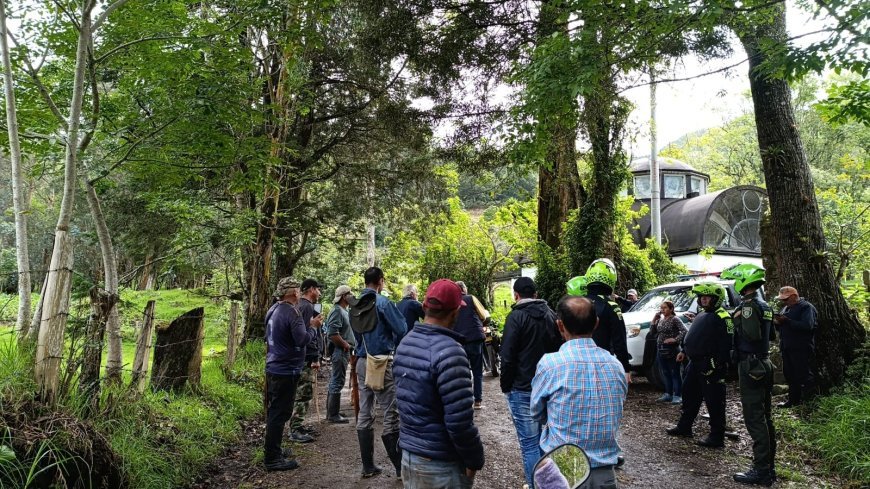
x=707, y=345
x=610, y=333
x=753, y=330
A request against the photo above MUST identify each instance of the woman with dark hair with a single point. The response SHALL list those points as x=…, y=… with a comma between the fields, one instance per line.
x=670, y=331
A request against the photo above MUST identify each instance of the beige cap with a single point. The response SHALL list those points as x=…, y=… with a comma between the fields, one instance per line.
x=284, y=285
x=785, y=292
x=340, y=292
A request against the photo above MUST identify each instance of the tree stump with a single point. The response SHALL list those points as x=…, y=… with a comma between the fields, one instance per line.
x=143, y=348
x=232, y=338
x=89, y=379
x=178, y=353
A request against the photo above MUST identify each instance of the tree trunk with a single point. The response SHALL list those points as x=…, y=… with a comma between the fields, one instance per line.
x=145, y=281
x=371, y=248
x=110, y=271
x=143, y=350
x=797, y=257
x=36, y=320
x=260, y=297
x=178, y=353
x=102, y=302
x=559, y=188
x=19, y=197
x=56, y=306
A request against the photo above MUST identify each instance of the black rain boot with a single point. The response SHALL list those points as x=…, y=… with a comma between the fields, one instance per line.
x=332, y=414
x=712, y=441
x=758, y=477
x=367, y=452
x=391, y=443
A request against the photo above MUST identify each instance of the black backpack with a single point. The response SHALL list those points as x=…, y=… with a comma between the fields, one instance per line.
x=363, y=313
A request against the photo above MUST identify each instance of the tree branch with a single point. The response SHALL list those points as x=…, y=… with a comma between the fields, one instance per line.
x=105, y=15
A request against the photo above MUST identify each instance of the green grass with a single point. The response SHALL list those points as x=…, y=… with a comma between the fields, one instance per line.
x=163, y=439
x=835, y=432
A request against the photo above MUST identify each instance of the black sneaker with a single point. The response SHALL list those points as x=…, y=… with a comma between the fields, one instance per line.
x=754, y=477
x=677, y=431
x=280, y=464
x=711, y=442
x=299, y=437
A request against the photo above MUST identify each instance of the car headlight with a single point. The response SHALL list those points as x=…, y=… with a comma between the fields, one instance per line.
x=633, y=330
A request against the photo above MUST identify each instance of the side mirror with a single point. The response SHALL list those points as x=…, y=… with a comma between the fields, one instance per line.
x=564, y=467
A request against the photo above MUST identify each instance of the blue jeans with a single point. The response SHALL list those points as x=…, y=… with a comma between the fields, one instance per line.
x=528, y=431
x=670, y=370
x=424, y=473
x=474, y=352
x=339, y=367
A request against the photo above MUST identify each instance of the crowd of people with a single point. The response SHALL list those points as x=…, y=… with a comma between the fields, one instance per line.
x=564, y=373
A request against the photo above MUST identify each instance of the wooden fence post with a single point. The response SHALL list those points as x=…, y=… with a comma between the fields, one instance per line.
x=232, y=337
x=143, y=350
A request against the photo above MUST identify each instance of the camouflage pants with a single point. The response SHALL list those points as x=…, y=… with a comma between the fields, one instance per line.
x=304, y=394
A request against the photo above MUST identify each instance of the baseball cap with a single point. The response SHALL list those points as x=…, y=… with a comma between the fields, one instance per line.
x=785, y=292
x=443, y=294
x=284, y=285
x=340, y=291
x=310, y=283
x=525, y=286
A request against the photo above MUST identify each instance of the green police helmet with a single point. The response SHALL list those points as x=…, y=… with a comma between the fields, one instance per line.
x=744, y=275
x=712, y=289
x=601, y=271
x=577, y=285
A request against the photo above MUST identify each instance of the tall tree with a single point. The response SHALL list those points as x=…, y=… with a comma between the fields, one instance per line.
x=19, y=198
x=796, y=256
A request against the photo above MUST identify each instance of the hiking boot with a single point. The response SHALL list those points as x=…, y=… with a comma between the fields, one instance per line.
x=620, y=461
x=755, y=477
x=711, y=441
x=300, y=437
x=677, y=400
x=478, y=405
x=280, y=464
x=665, y=398
x=367, y=452
x=677, y=431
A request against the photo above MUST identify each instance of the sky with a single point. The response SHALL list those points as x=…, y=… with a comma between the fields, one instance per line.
x=710, y=101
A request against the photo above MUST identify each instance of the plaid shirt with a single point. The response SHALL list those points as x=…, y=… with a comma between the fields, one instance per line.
x=577, y=394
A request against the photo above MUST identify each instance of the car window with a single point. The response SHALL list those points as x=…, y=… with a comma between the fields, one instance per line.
x=652, y=300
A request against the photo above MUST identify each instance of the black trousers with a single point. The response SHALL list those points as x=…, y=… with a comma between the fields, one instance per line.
x=281, y=392
x=711, y=390
x=797, y=366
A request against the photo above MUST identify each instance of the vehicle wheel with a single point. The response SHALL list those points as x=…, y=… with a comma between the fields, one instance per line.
x=654, y=375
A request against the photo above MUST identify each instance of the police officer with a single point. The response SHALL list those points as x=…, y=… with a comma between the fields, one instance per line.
x=753, y=331
x=610, y=333
x=706, y=345
x=577, y=285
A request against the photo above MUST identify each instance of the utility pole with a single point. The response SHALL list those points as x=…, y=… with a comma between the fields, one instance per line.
x=655, y=193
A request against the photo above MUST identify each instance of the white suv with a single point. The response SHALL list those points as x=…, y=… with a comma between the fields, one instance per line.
x=639, y=318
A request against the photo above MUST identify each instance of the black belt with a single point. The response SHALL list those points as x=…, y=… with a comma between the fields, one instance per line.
x=751, y=356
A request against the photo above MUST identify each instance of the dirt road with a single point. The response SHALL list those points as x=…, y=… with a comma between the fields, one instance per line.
x=653, y=458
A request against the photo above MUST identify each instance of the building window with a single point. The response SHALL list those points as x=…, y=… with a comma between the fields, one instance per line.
x=642, y=187
x=674, y=186
x=698, y=185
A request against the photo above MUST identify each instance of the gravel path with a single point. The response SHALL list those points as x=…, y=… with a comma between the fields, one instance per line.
x=653, y=459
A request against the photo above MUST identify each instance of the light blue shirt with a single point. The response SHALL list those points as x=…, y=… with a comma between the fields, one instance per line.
x=577, y=395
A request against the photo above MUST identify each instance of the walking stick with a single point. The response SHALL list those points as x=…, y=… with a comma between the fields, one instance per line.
x=354, y=388
x=316, y=402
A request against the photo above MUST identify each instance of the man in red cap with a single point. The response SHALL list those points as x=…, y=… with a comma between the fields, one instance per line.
x=440, y=444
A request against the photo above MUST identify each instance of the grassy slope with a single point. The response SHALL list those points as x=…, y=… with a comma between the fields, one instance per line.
x=164, y=439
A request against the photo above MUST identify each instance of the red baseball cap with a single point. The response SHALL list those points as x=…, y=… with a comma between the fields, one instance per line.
x=443, y=294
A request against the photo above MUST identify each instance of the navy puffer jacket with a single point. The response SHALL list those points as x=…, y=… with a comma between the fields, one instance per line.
x=433, y=391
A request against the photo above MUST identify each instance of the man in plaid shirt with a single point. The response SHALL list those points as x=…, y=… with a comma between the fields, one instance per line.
x=578, y=392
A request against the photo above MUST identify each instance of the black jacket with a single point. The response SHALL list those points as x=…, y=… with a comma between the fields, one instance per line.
x=312, y=350
x=797, y=329
x=530, y=331
x=709, y=337
x=610, y=333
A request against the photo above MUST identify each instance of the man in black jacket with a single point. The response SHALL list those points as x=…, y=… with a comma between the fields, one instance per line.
x=530, y=331
x=610, y=333
x=796, y=323
x=311, y=291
